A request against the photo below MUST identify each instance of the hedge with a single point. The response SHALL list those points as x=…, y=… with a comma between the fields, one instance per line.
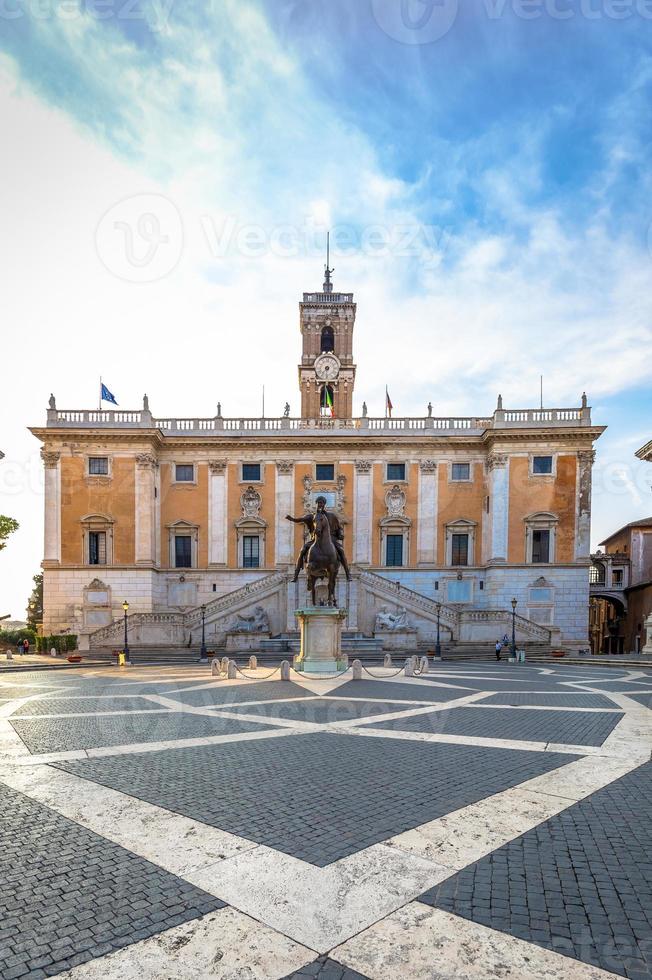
x=62, y=643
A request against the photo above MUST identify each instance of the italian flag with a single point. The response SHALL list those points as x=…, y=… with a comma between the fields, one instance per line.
x=329, y=401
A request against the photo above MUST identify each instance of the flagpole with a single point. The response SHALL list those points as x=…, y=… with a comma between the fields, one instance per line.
x=99, y=407
x=386, y=393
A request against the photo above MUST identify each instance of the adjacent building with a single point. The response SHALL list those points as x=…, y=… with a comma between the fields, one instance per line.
x=444, y=517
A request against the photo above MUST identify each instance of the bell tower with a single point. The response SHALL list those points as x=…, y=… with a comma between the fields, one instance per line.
x=327, y=371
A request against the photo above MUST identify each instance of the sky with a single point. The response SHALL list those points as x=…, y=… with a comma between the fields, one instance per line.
x=169, y=170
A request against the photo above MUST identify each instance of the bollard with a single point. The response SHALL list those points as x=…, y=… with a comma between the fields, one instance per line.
x=387, y=662
x=285, y=670
x=415, y=662
x=53, y=652
x=232, y=670
x=224, y=665
x=357, y=670
x=423, y=665
x=253, y=663
x=216, y=668
x=9, y=655
x=409, y=667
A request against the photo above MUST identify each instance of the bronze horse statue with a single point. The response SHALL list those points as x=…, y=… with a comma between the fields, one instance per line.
x=322, y=560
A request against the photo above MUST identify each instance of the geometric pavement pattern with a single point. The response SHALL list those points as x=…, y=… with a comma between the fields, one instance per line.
x=69, y=895
x=579, y=883
x=319, y=797
x=570, y=727
x=576, y=883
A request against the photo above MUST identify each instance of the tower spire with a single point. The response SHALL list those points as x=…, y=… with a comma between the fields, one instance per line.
x=328, y=285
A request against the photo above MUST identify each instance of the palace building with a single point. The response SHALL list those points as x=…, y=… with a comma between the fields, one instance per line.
x=443, y=517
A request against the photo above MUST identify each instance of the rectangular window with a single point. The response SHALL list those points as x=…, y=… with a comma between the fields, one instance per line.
x=617, y=576
x=325, y=471
x=460, y=549
x=251, y=472
x=540, y=547
x=250, y=551
x=396, y=471
x=542, y=465
x=394, y=550
x=184, y=473
x=98, y=466
x=461, y=471
x=97, y=548
x=183, y=551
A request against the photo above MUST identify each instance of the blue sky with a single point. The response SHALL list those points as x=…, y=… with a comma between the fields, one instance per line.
x=484, y=168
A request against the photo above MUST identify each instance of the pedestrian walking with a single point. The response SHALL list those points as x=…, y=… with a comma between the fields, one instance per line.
x=25, y=645
x=499, y=647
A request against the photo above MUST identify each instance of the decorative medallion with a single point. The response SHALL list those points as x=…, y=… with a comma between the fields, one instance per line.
x=395, y=502
x=251, y=502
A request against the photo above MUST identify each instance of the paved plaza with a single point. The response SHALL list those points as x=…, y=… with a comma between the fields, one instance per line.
x=480, y=821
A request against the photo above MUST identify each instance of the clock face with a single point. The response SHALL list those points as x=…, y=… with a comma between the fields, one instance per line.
x=327, y=367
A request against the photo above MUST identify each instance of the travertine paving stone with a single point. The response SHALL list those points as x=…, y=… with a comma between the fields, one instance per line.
x=79, y=705
x=562, y=727
x=644, y=699
x=68, y=895
x=403, y=692
x=579, y=883
x=317, y=797
x=556, y=700
x=323, y=712
x=43, y=735
x=325, y=968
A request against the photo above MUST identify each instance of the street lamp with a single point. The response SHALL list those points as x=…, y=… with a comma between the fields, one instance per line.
x=514, y=604
x=202, y=651
x=438, y=644
x=125, y=606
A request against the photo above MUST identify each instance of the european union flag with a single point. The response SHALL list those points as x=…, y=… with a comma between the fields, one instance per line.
x=106, y=395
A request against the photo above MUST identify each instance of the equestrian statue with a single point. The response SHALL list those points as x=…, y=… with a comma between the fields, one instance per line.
x=323, y=552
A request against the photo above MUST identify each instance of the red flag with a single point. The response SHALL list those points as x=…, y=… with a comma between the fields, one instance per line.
x=388, y=403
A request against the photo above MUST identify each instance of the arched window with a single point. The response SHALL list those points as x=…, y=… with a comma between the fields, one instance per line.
x=327, y=340
x=326, y=402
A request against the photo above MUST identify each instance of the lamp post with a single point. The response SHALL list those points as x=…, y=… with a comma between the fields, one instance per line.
x=438, y=644
x=514, y=604
x=202, y=651
x=125, y=606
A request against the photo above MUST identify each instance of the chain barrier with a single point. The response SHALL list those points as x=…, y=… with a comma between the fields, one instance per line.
x=382, y=676
x=263, y=678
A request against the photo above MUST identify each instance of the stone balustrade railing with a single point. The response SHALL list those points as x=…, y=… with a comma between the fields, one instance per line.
x=501, y=419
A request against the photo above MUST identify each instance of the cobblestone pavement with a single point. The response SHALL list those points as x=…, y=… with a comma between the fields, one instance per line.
x=43, y=735
x=570, y=727
x=580, y=883
x=557, y=700
x=319, y=797
x=275, y=849
x=69, y=895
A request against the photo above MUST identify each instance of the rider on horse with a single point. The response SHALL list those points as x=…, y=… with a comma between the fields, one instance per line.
x=337, y=534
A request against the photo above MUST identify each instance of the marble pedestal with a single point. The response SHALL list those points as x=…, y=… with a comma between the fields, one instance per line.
x=321, y=640
x=399, y=640
x=245, y=642
x=647, y=649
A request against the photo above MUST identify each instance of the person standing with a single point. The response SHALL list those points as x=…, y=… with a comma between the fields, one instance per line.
x=25, y=645
x=499, y=647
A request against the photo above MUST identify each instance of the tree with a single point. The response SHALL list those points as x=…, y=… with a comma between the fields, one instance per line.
x=35, y=602
x=7, y=526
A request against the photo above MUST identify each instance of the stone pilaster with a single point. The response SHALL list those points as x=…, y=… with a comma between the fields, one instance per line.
x=363, y=512
x=217, y=512
x=427, y=513
x=585, y=460
x=145, y=510
x=284, y=536
x=498, y=465
x=52, y=490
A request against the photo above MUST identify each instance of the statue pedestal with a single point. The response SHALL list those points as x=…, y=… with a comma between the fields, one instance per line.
x=321, y=640
x=245, y=642
x=402, y=639
x=647, y=649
